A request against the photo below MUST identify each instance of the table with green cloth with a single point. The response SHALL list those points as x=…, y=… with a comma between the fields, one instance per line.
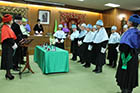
x=51, y=61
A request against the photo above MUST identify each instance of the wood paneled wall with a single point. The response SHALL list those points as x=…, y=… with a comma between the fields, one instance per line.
x=111, y=17
x=91, y=17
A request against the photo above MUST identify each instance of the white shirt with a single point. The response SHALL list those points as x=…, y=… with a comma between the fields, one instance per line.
x=74, y=35
x=89, y=36
x=59, y=34
x=114, y=38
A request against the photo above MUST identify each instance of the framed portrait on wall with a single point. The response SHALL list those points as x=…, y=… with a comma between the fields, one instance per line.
x=44, y=16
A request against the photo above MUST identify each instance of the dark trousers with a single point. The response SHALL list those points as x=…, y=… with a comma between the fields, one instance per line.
x=17, y=57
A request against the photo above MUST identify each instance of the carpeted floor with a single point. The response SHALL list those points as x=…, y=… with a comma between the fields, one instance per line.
x=78, y=80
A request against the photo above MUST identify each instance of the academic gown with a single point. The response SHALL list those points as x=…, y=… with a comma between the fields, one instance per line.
x=18, y=54
x=100, y=41
x=84, y=53
x=60, y=35
x=112, y=45
x=74, y=43
x=129, y=43
x=38, y=28
x=81, y=37
x=8, y=40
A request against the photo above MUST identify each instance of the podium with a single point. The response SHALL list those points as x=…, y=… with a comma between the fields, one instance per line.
x=26, y=43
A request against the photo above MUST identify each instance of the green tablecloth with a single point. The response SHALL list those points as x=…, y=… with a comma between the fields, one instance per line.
x=52, y=61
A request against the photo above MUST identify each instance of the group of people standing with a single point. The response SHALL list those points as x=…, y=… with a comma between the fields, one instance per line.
x=13, y=32
x=92, y=42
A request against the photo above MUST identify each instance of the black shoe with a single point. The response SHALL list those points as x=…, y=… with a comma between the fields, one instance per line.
x=98, y=71
x=86, y=65
x=23, y=62
x=16, y=69
x=79, y=61
x=113, y=66
x=94, y=70
x=109, y=64
x=82, y=62
x=10, y=77
x=73, y=59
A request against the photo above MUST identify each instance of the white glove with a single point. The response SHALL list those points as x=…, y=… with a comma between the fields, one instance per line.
x=62, y=41
x=14, y=46
x=41, y=32
x=89, y=47
x=117, y=48
x=103, y=50
x=56, y=40
x=36, y=32
x=80, y=42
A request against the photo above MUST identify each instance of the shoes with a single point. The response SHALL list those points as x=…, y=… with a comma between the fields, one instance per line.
x=10, y=77
x=98, y=71
x=109, y=64
x=79, y=61
x=86, y=65
x=23, y=62
x=16, y=69
x=113, y=66
x=94, y=70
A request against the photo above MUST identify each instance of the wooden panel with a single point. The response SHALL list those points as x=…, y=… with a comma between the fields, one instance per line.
x=111, y=17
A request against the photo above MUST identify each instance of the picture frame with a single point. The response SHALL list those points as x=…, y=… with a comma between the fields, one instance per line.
x=44, y=16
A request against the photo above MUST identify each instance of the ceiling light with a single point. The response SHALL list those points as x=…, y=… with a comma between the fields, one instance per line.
x=112, y=5
x=80, y=0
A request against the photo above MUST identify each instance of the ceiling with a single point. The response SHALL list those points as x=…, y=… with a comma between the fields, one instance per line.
x=92, y=5
x=132, y=5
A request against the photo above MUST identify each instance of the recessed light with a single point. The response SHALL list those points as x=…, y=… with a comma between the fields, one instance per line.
x=80, y=0
x=112, y=5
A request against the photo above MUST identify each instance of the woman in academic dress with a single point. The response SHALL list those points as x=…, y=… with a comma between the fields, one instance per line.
x=74, y=42
x=81, y=36
x=59, y=37
x=113, y=44
x=8, y=38
x=127, y=71
x=100, y=41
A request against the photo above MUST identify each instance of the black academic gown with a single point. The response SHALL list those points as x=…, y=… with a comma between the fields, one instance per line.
x=128, y=79
x=112, y=52
x=18, y=54
x=98, y=57
x=60, y=45
x=7, y=54
x=80, y=47
x=74, y=48
x=38, y=28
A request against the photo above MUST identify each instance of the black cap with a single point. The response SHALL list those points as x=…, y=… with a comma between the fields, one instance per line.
x=38, y=20
x=18, y=17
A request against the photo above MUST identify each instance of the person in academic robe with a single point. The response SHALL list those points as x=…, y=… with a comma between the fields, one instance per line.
x=38, y=28
x=100, y=41
x=127, y=71
x=25, y=33
x=87, y=46
x=74, y=42
x=23, y=28
x=18, y=54
x=8, y=38
x=81, y=36
x=59, y=37
x=66, y=30
x=113, y=45
x=27, y=26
